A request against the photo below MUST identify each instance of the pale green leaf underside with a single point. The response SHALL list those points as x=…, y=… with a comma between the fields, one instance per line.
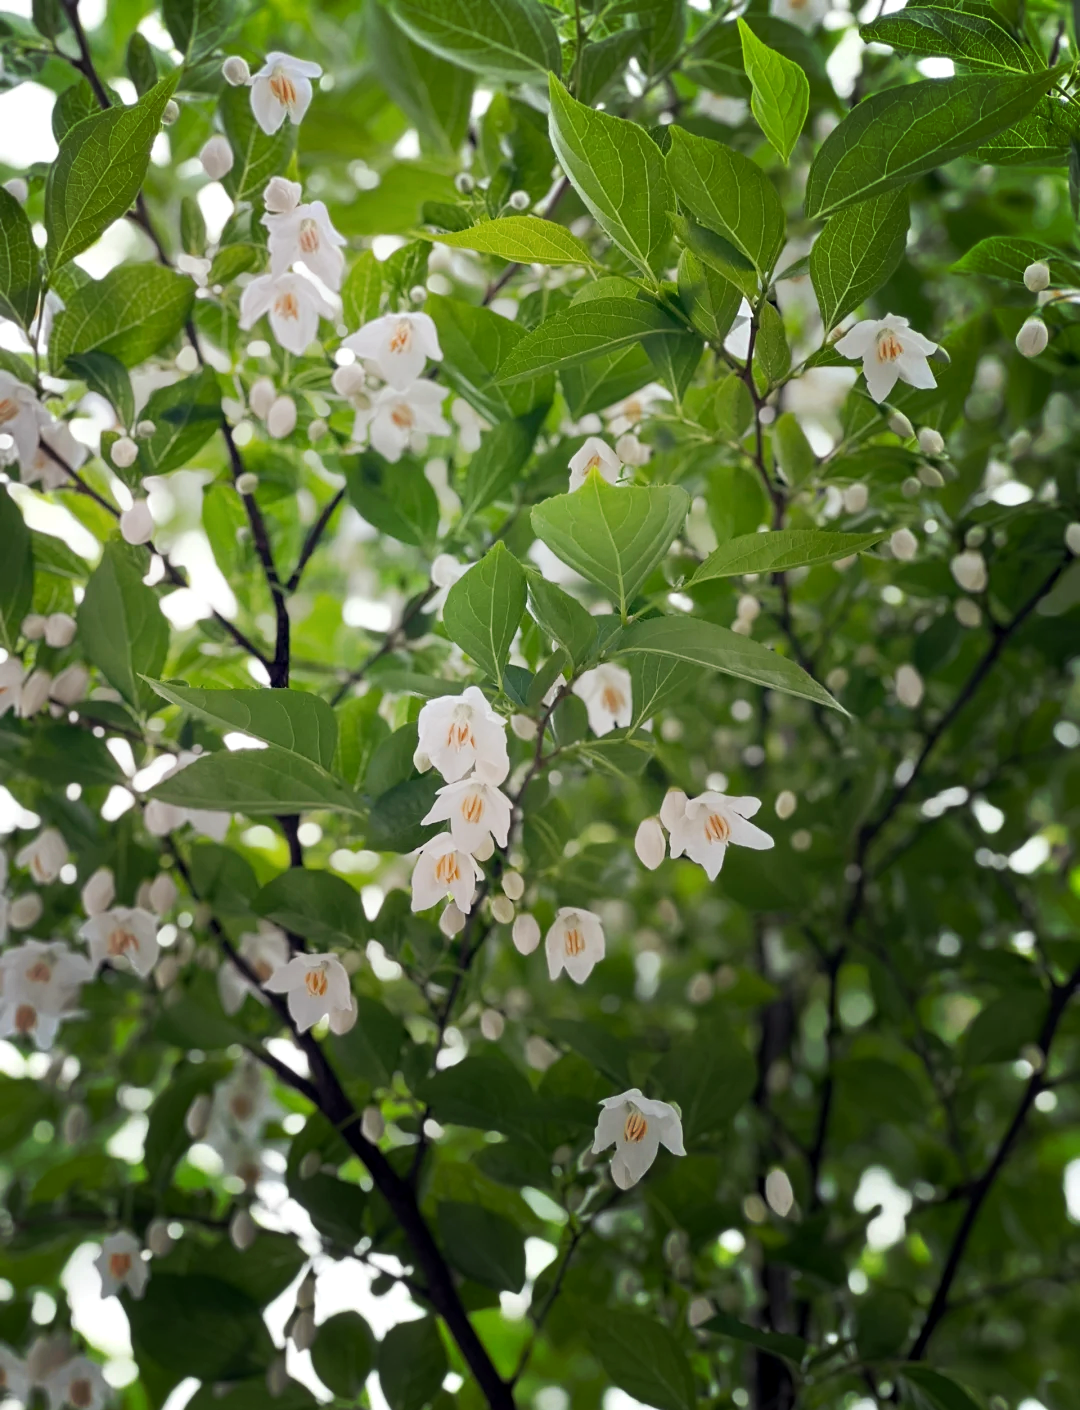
x=259, y=783
x=512, y=40
x=978, y=41
x=525, y=239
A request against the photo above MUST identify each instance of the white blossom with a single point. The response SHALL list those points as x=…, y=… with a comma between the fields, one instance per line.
x=636, y=1126
x=399, y=345
x=42, y=468
x=123, y=936
x=315, y=986
x=20, y=417
x=575, y=943
x=195, y=267
x=909, y=687
x=281, y=195
x=306, y=233
x=11, y=685
x=398, y=421
x=526, y=933
x=69, y=687
x=39, y=983
x=280, y=89
x=137, y=523
x=475, y=811
x=294, y=306
x=704, y=826
x=99, y=892
x=443, y=869
x=969, y=570
x=35, y=693
x=25, y=910
x=1072, y=538
x=460, y=733
x=629, y=413
x=216, y=156
x=650, y=844
x=79, y=1383
x=123, y=452
x=60, y=628
x=806, y=14
x=891, y=351
x=596, y=455
x=120, y=1265
x=261, y=397
x=631, y=451
x=44, y=856
x=14, y=1376
x=606, y=691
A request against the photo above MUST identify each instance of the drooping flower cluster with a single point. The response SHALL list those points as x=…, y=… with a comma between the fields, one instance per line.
x=700, y=828
x=300, y=233
x=40, y=983
x=42, y=445
x=401, y=414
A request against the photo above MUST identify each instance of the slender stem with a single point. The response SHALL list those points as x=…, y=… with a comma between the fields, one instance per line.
x=311, y=542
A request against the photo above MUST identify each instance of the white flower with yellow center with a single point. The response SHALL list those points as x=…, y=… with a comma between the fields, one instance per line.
x=20, y=417
x=125, y=937
x=265, y=951
x=444, y=870
x=637, y=1126
x=315, y=986
x=891, y=352
x=460, y=733
x=606, y=691
x=596, y=455
x=702, y=827
x=78, y=1383
x=575, y=943
x=44, y=856
x=399, y=421
x=399, y=345
x=121, y=1265
x=306, y=234
x=475, y=810
x=293, y=304
x=281, y=89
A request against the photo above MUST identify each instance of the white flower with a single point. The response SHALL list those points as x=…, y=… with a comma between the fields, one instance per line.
x=904, y=545
x=99, y=892
x=806, y=14
x=35, y=693
x=459, y=733
x=445, y=572
x=11, y=684
x=123, y=936
x=470, y=424
x=708, y=823
x=316, y=987
x=631, y=451
x=636, y=1126
x=40, y=982
x=1032, y=337
x=281, y=418
x=235, y=71
x=44, y=856
x=265, y=951
x=350, y=382
x=282, y=88
x=606, y=691
x=16, y=186
x=78, y=1383
x=124, y=452
x=69, y=687
x=525, y=934
x=42, y=468
x=397, y=421
x=14, y=1376
x=629, y=413
x=216, y=157
x=59, y=629
x=969, y=570
x=909, y=687
x=281, y=195
x=120, y=1264
x=305, y=233
x=443, y=869
x=137, y=523
x=20, y=417
x=475, y=811
x=294, y=305
x=33, y=627
x=575, y=943
x=650, y=843
x=890, y=351
x=1037, y=277
x=596, y=455
x=198, y=269
x=262, y=396
x=399, y=345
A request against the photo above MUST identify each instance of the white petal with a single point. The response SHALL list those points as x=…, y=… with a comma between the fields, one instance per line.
x=745, y=834
x=859, y=340
x=915, y=370
x=269, y=113
x=881, y=377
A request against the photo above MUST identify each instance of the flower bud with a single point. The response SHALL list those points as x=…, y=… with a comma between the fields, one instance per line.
x=137, y=524
x=262, y=397
x=969, y=570
x=631, y=451
x=519, y=200
x=417, y=294
x=502, y=909
x=33, y=627
x=492, y=1025
x=124, y=452
x=526, y=933
x=197, y=1118
x=171, y=112
x=25, y=911
x=1072, y=538
x=485, y=850
x=303, y=1331
x=699, y=1311
x=281, y=195
x=145, y=427
x=967, y=612
x=317, y=429
x=856, y=498
x=35, y=693
x=372, y=1124
x=904, y=545
x=452, y=921
x=909, y=687
x=464, y=183
x=931, y=477
x=785, y=805
x=247, y=483
x=59, y=629
x=235, y=70
x=524, y=728
x=348, y=380
x=69, y=687
x=513, y=885
x=1032, y=337
x=931, y=442
x=17, y=188
x=310, y=1165
x=158, y=1239
x=281, y=418
x=421, y=762
x=216, y=157
x=910, y=487
x=1037, y=277
x=650, y=843
x=163, y=893
x=242, y=1230
x=277, y=1378
x=900, y=426
x=99, y=892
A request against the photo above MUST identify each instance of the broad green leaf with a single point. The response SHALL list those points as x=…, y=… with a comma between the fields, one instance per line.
x=719, y=255
x=618, y=171
x=16, y=571
x=140, y=64
x=485, y=1091
x=121, y=627
x=395, y=823
x=781, y=97
x=562, y=618
x=710, y=1074
x=777, y=1343
x=482, y=1244
x=614, y=535
x=258, y=782
x=72, y=105
x=1042, y=138
x=257, y=155
x=718, y=649
x=976, y=39
x=638, y=1354
x=315, y=904
x=1007, y=256
x=293, y=720
x=197, y=27
x=781, y=549
x=185, y=416
x=728, y=194
x=166, y=1137
x=525, y=239
x=20, y=269
x=344, y=1354
x=484, y=607
x=396, y=499
x=896, y=135
x=495, y=467
x=99, y=171
x=436, y=95
x=131, y=313
x=1003, y=1027
x=710, y=300
x=512, y=41
x=859, y=249
x=794, y=453
x=361, y=293
x=586, y=330
x=191, y=1324
x=412, y=1363
x=772, y=356
x=105, y=375
x=475, y=344
x=934, y=1389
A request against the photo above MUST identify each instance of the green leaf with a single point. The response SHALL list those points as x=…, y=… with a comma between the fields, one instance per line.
x=197, y=27
x=794, y=453
x=361, y=294
x=72, y=105
x=484, y=607
x=618, y=171
x=710, y=1074
x=781, y=97
x=896, y=135
x=711, y=300
x=294, y=720
x=434, y=94
x=772, y=356
x=512, y=41
x=1007, y=256
x=978, y=40
x=857, y=252
x=781, y=549
x=16, y=571
x=185, y=416
x=131, y=313
x=121, y=627
x=717, y=649
x=496, y=466
x=776, y=1343
x=1000, y=1030
x=140, y=64
x=257, y=155
x=344, y=1354
x=199, y=1326
x=99, y=171
x=315, y=904
x=412, y=1364
x=586, y=330
x=258, y=782
x=728, y=194
x=166, y=1136
x=525, y=239
x=482, y=1245
x=562, y=618
x=396, y=499
x=20, y=269
x=103, y=374
x=475, y=344
x=484, y=1091
x=614, y=535
x=935, y=1389
x=718, y=254
x=394, y=824
x=638, y=1354
x=372, y=1047
x=1041, y=138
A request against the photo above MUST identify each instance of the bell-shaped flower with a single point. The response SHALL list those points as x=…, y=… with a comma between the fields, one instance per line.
x=606, y=691
x=475, y=811
x=20, y=417
x=281, y=195
x=123, y=936
x=399, y=345
x=265, y=951
x=11, y=685
x=708, y=823
x=636, y=1126
x=79, y=1383
x=596, y=455
x=891, y=351
x=629, y=413
x=44, y=856
x=44, y=973
x=280, y=89
x=306, y=233
x=575, y=943
x=443, y=869
x=315, y=986
x=399, y=421
x=293, y=304
x=14, y=1376
x=462, y=733
x=121, y=1265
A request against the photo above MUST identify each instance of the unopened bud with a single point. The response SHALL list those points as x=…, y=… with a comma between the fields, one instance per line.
x=748, y=608
x=1072, y=538
x=909, y=687
x=60, y=629
x=310, y=1164
x=262, y=397
x=1037, y=277
x=317, y=429
x=519, y=200
x=524, y=727
x=492, y=1025
x=303, y=1331
x=35, y=693
x=485, y=849
x=145, y=428
x=969, y=570
x=502, y=908
x=1032, y=337
x=856, y=498
x=452, y=921
x=158, y=1239
x=281, y=195
x=235, y=70
x=904, y=545
x=464, y=183
x=162, y=894
x=526, y=933
x=931, y=442
x=785, y=805
x=76, y=1124
x=242, y=1230
x=417, y=294
x=33, y=627
x=25, y=911
x=197, y=1120
x=167, y=971
x=900, y=426
x=124, y=452
x=99, y=892
x=137, y=523
x=277, y=1378
x=216, y=157
x=281, y=418
x=372, y=1124
x=699, y=1311
x=171, y=112
x=931, y=477
x=247, y=483
x=17, y=188
x=650, y=844
x=513, y=885
x=967, y=613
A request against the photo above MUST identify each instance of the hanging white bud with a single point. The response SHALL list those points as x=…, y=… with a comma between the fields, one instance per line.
x=785, y=805
x=247, y=483
x=167, y=971
x=502, y=908
x=281, y=195
x=35, y=693
x=171, y=112
x=317, y=429
x=524, y=727
x=1032, y=337
x=904, y=545
x=216, y=157
x=931, y=442
x=235, y=70
x=310, y=1165
x=631, y=451
x=513, y=885
x=26, y=910
x=145, y=428
x=303, y=1331
x=909, y=687
x=910, y=487
x=1037, y=277
x=372, y=1124
x=137, y=523
x=417, y=294
x=1072, y=538
x=452, y=921
x=931, y=477
x=262, y=397
x=856, y=498
x=124, y=452
x=277, y=1377
x=158, y=1239
x=99, y=892
x=281, y=418
x=650, y=844
x=492, y=1025
x=60, y=629
x=464, y=183
x=967, y=612
x=33, y=627
x=485, y=850
x=1020, y=443
x=197, y=1119
x=17, y=188
x=969, y=570
x=162, y=895
x=526, y=934
x=900, y=426
x=699, y=1311
x=519, y=200
x=242, y=1230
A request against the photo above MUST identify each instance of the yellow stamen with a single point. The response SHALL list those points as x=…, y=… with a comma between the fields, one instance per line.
x=80, y=1394
x=287, y=306
x=636, y=1126
x=717, y=828
x=889, y=346
x=447, y=870
x=316, y=982
x=472, y=808
x=401, y=338
x=575, y=940
x=9, y=409
x=402, y=416
x=119, y=1265
x=309, y=236
x=283, y=88
x=25, y=1018
x=612, y=699
x=121, y=941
